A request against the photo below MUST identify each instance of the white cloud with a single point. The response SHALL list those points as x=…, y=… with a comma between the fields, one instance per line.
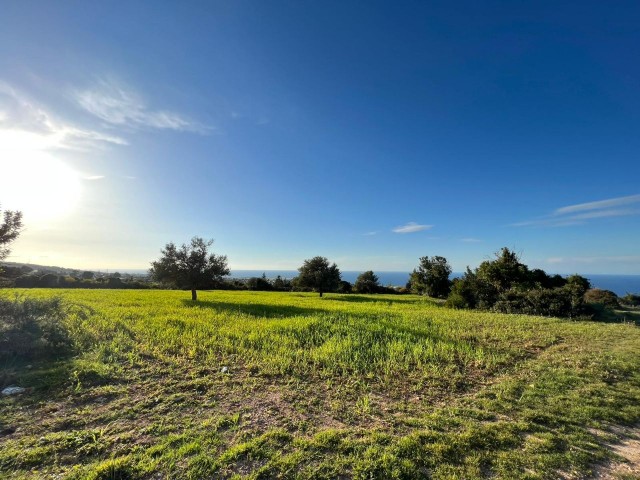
x=470, y=240
x=370, y=234
x=609, y=203
x=117, y=104
x=94, y=177
x=579, y=214
x=25, y=125
x=411, y=227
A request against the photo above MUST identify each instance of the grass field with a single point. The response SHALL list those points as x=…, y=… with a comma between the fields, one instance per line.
x=347, y=386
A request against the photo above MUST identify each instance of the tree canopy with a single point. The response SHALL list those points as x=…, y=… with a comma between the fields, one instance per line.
x=431, y=277
x=318, y=274
x=367, y=282
x=190, y=266
x=9, y=231
x=505, y=284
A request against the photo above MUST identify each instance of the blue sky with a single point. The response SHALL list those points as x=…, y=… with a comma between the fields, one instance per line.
x=372, y=133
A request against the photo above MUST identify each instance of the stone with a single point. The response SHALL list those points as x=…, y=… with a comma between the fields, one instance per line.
x=12, y=390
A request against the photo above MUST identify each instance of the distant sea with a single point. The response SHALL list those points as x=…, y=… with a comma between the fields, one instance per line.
x=619, y=284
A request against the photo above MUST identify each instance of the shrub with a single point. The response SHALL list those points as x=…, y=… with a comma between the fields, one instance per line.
x=548, y=302
x=48, y=280
x=471, y=291
x=533, y=302
x=456, y=300
x=631, y=299
x=31, y=329
x=345, y=287
x=115, y=282
x=26, y=281
x=259, y=283
x=602, y=297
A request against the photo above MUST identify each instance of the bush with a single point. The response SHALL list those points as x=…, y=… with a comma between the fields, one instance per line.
x=26, y=281
x=548, y=302
x=32, y=329
x=470, y=291
x=602, y=297
x=456, y=300
x=631, y=300
x=345, y=287
x=259, y=283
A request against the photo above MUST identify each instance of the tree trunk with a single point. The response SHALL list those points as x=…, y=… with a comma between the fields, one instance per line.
x=194, y=295
x=321, y=293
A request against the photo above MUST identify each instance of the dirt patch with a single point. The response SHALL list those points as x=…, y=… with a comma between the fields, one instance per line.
x=628, y=448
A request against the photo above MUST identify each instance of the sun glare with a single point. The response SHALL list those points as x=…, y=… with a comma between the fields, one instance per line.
x=36, y=183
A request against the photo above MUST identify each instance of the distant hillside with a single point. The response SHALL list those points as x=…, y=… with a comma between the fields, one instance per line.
x=32, y=268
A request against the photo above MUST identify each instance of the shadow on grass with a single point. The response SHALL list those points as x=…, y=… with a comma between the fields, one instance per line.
x=627, y=315
x=372, y=299
x=259, y=310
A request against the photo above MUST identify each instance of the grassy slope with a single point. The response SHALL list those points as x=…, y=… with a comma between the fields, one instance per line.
x=344, y=386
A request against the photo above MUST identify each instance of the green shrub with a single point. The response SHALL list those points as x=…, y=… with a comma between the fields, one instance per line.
x=32, y=329
x=631, y=300
x=548, y=302
x=456, y=300
x=602, y=297
x=259, y=283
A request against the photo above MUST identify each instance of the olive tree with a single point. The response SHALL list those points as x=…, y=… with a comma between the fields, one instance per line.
x=318, y=274
x=189, y=267
x=9, y=230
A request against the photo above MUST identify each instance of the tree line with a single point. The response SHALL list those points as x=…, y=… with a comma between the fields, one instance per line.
x=503, y=284
x=192, y=267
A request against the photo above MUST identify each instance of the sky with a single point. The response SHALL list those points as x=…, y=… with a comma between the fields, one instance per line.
x=372, y=133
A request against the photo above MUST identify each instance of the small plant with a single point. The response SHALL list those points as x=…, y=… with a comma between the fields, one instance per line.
x=32, y=328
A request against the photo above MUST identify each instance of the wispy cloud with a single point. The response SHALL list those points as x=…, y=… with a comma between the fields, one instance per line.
x=601, y=204
x=94, y=177
x=369, y=234
x=117, y=104
x=580, y=213
x=470, y=240
x=594, y=259
x=26, y=125
x=411, y=227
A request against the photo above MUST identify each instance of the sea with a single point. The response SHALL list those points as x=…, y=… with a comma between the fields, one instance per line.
x=619, y=284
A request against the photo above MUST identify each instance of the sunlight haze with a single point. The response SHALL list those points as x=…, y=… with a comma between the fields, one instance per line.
x=370, y=133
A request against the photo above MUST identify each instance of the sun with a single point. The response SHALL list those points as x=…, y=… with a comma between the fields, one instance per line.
x=36, y=183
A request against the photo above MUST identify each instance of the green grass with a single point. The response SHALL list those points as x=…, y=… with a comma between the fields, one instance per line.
x=347, y=386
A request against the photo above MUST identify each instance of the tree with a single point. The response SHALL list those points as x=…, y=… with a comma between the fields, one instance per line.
x=367, y=282
x=9, y=231
x=259, y=283
x=431, y=277
x=317, y=274
x=190, y=267
x=505, y=271
x=582, y=283
x=87, y=275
